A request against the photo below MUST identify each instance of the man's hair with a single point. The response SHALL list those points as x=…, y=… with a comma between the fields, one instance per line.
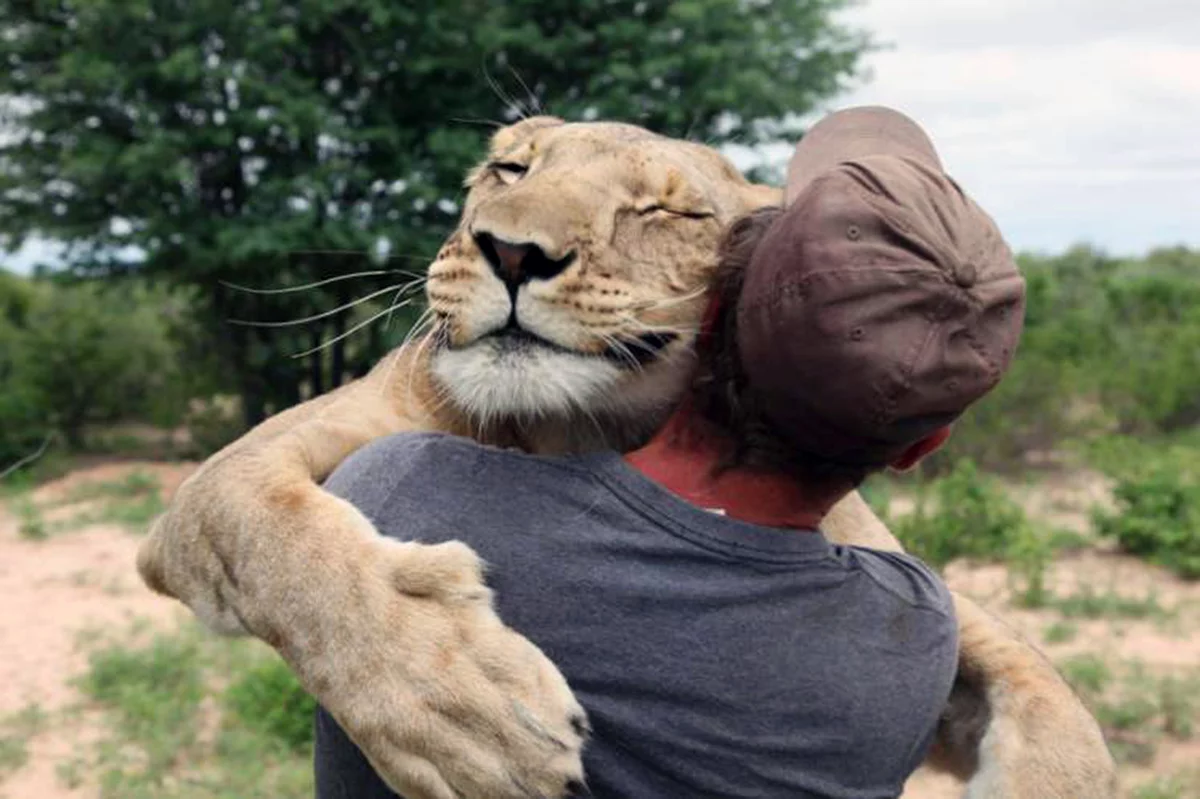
x=722, y=394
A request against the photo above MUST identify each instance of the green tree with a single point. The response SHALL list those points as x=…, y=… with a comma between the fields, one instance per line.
x=214, y=138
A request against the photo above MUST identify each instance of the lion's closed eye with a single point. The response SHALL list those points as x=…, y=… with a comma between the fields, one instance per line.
x=509, y=172
x=678, y=212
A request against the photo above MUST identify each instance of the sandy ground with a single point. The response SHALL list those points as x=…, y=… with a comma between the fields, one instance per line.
x=51, y=591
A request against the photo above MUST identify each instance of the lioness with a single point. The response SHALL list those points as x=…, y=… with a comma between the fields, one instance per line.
x=398, y=641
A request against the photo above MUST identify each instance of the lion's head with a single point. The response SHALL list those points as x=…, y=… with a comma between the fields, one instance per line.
x=574, y=285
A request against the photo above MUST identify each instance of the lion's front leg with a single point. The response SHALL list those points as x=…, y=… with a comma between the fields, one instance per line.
x=1014, y=728
x=230, y=515
x=398, y=641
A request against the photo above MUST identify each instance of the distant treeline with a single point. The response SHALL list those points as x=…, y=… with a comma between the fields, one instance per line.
x=1111, y=345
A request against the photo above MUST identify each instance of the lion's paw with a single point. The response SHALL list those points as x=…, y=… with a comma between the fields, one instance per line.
x=441, y=697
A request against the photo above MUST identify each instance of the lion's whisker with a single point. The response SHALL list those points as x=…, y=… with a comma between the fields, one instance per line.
x=502, y=95
x=669, y=302
x=323, y=314
x=426, y=319
x=367, y=254
x=352, y=330
x=491, y=123
x=307, y=286
x=415, y=329
x=679, y=330
x=534, y=105
x=421, y=281
x=622, y=350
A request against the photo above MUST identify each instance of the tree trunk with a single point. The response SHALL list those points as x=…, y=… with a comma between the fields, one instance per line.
x=72, y=430
x=316, y=375
x=337, y=372
x=234, y=348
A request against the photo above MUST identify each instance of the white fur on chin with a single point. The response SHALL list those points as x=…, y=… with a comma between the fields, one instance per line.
x=536, y=382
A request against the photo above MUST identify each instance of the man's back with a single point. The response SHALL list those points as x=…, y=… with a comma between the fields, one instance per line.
x=714, y=658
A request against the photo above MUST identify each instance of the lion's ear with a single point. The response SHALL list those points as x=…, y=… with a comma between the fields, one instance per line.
x=507, y=138
x=756, y=195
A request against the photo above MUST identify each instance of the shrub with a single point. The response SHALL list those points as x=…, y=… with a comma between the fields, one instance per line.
x=1135, y=707
x=962, y=514
x=24, y=422
x=75, y=354
x=93, y=354
x=1087, y=674
x=1088, y=603
x=16, y=730
x=1034, y=407
x=268, y=700
x=155, y=739
x=212, y=423
x=1157, y=513
x=31, y=524
x=1170, y=787
x=1152, y=379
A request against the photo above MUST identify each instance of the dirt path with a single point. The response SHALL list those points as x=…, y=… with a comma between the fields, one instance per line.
x=53, y=591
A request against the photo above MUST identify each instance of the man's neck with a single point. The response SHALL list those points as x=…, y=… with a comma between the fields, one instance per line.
x=684, y=457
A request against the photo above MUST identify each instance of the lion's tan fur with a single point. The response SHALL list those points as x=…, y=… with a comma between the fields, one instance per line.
x=253, y=545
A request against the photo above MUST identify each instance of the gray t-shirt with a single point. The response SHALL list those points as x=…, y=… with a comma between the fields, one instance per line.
x=715, y=658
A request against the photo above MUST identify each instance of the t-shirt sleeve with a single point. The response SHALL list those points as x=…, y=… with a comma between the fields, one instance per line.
x=930, y=633
x=908, y=578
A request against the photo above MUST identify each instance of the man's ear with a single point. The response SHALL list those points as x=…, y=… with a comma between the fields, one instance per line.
x=921, y=450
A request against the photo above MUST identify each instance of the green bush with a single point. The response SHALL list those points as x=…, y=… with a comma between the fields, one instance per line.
x=157, y=737
x=268, y=700
x=1157, y=514
x=94, y=354
x=212, y=423
x=965, y=514
x=81, y=353
x=24, y=422
x=1151, y=382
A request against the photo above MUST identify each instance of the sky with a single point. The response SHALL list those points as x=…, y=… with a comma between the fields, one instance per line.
x=1070, y=121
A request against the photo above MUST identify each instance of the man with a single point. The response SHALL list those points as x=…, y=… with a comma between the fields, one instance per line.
x=721, y=646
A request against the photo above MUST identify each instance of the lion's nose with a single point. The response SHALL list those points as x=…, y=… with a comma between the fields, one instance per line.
x=517, y=262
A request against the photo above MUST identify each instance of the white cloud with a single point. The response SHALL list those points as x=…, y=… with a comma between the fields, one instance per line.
x=1069, y=121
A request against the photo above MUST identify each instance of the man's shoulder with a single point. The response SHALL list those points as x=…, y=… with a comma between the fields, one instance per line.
x=904, y=577
x=373, y=472
x=400, y=450
x=427, y=462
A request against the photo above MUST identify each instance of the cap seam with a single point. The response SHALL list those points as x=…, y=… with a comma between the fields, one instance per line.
x=886, y=415
x=795, y=287
x=900, y=216
x=982, y=352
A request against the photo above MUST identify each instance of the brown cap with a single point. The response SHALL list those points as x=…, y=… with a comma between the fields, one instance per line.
x=882, y=302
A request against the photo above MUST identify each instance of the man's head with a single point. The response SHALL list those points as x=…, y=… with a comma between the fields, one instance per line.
x=864, y=317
